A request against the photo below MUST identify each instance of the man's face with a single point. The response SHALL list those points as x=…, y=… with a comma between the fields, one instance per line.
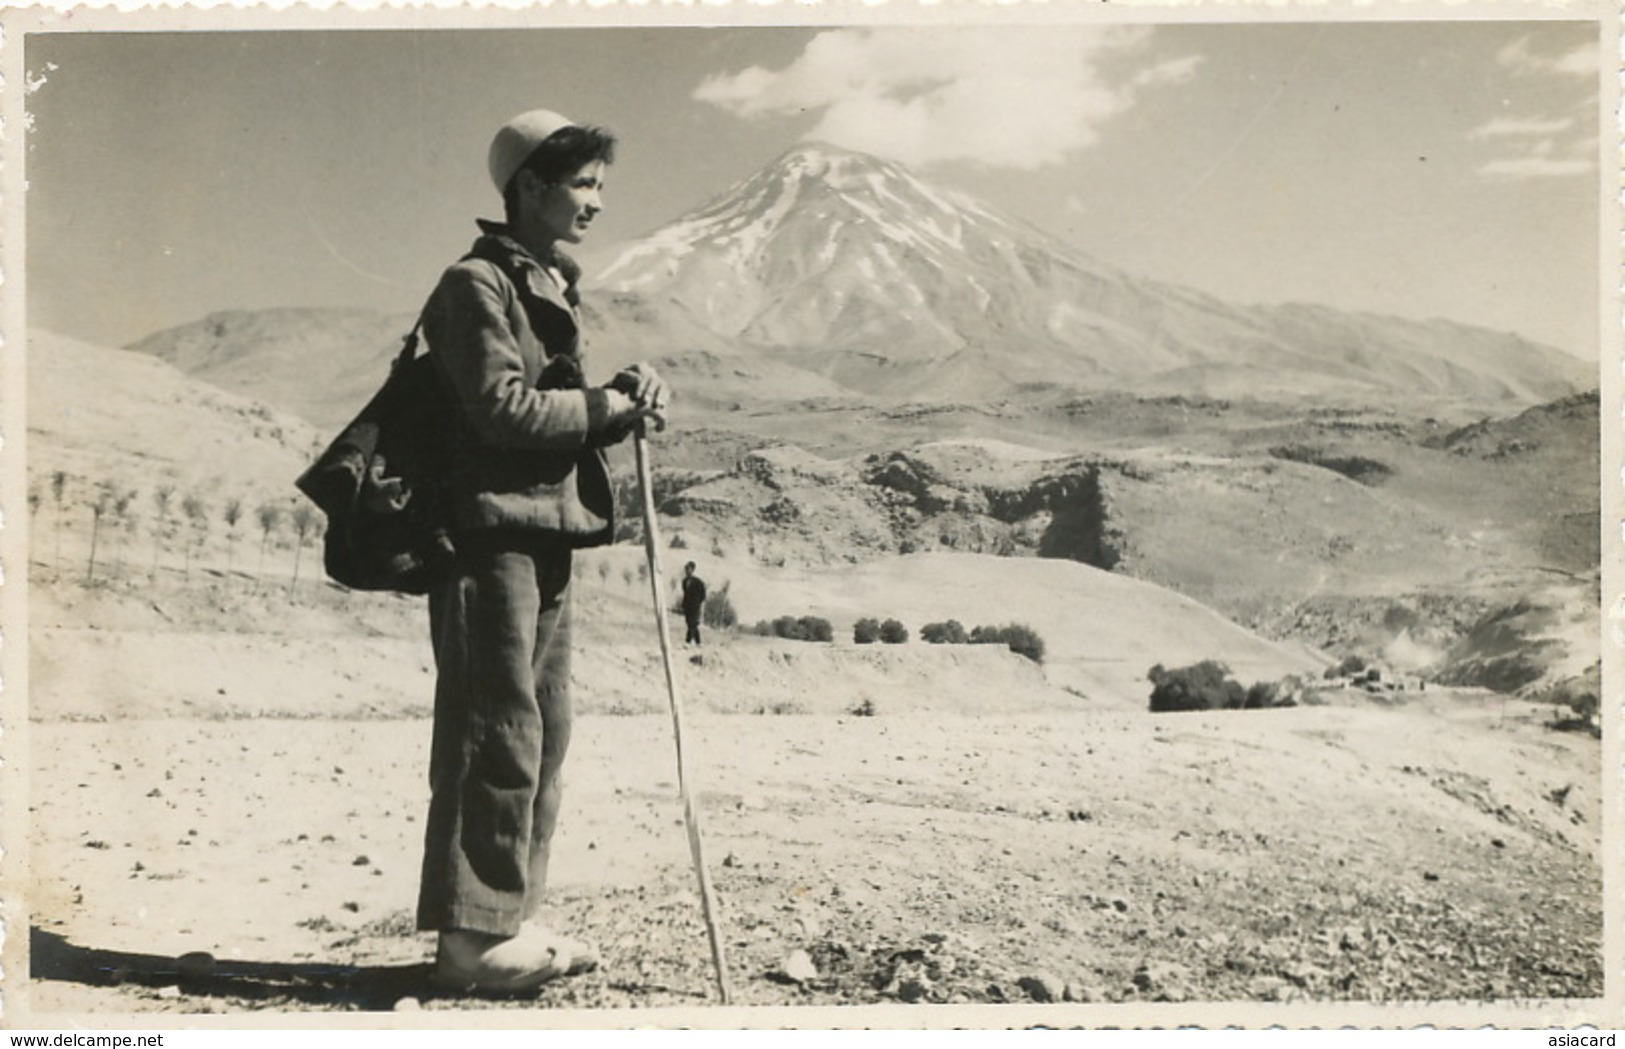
x=566, y=208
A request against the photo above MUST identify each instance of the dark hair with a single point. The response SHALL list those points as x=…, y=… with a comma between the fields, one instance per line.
x=565, y=150
x=689, y=566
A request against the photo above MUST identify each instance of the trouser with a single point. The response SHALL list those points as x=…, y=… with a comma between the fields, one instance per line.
x=692, y=618
x=501, y=630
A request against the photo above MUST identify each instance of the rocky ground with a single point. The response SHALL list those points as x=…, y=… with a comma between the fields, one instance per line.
x=1331, y=855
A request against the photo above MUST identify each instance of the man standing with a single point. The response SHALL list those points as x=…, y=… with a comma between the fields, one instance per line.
x=693, y=603
x=527, y=485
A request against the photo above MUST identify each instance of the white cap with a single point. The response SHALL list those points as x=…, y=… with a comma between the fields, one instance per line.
x=519, y=138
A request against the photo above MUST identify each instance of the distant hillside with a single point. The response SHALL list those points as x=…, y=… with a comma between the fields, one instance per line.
x=320, y=364
x=105, y=415
x=1247, y=504
x=1565, y=427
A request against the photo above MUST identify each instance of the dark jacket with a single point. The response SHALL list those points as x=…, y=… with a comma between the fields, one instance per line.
x=527, y=434
x=693, y=595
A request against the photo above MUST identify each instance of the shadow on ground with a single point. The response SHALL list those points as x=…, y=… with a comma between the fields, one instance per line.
x=366, y=988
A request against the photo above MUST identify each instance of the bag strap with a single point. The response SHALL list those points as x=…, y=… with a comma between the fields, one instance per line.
x=409, y=344
x=567, y=266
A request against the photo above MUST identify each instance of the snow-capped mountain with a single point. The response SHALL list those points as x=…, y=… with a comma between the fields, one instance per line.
x=831, y=245
x=841, y=251
x=854, y=268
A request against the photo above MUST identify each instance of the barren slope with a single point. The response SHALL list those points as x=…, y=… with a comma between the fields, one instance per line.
x=128, y=419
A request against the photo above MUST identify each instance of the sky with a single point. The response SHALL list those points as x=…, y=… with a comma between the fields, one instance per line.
x=1422, y=169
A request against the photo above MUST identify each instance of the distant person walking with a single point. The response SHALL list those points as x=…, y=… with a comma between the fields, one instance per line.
x=527, y=485
x=693, y=603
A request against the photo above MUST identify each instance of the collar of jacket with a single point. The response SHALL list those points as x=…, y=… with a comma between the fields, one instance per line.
x=498, y=245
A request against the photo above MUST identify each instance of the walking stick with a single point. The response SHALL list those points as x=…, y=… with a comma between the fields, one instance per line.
x=691, y=812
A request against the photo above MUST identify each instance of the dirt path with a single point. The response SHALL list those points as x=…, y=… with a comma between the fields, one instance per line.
x=1329, y=854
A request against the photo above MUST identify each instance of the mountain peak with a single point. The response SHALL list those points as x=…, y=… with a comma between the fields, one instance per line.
x=794, y=218
x=815, y=165
x=821, y=160
x=818, y=149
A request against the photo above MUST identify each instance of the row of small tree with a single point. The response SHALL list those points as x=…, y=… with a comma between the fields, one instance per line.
x=631, y=575
x=115, y=509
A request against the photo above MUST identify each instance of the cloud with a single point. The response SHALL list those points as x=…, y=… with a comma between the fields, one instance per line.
x=1005, y=98
x=1544, y=145
x=1173, y=71
x=1584, y=60
x=1541, y=157
x=1537, y=166
x=1521, y=57
x=1519, y=127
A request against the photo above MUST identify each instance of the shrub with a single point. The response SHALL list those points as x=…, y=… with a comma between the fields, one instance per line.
x=805, y=628
x=719, y=611
x=1265, y=694
x=866, y=631
x=1020, y=638
x=1585, y=714
x=1024, y=641
x=1203, y=686
x=893, y=633
x=1287, y=692
x=1208, y=686
x=1350, y=666
x=948, y=633
x=1582, y=700
x=866, y=709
